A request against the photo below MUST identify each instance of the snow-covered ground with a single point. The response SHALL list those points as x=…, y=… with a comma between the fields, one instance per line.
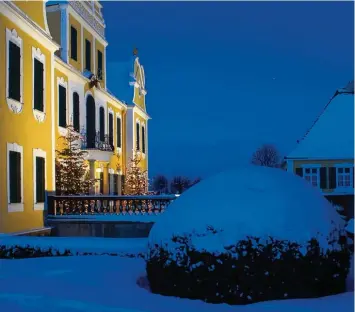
x=108, y=284
x=95, y=245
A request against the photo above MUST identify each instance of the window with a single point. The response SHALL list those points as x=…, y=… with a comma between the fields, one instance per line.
x=115, y=184
x=311, y=175
x=62, y=91
x=99, y=64
x=39, y=175
x=143, y=139
x=118, y=138
x=15, y=177
x=110, y=129
x=344, y=177
x=90, y=122
x=87, y=55
x=74, y=43
x=38, y=84
x=76, y=112
x=102, y=124
x=137, y=137
x=14, y=76
x=101, y=182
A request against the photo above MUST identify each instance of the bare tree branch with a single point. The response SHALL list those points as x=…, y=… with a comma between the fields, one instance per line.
x=267, y=155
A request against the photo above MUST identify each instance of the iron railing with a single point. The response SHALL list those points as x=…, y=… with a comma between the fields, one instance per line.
x=98, y=141
x=107, y=204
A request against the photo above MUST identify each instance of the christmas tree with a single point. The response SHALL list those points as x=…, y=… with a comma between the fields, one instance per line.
x=72, y=176
x=136, y=179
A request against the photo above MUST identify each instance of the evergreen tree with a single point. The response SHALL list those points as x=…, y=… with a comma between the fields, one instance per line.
x=72, y=176
x=136, y=179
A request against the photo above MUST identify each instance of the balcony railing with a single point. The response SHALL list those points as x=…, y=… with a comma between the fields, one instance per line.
x=107, y=205
x=98, y=142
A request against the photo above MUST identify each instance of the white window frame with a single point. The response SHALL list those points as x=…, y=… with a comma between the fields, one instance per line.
x=38, y=55
x=62, y=82
x=119, y=149
x=304, y=174
x=12, y=36
x=14, y=207
x=38, y=153
x=343, y=166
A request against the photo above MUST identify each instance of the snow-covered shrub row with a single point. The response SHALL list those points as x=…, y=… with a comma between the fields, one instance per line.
x=249, y=271
x=27, y=251
x=247, y=235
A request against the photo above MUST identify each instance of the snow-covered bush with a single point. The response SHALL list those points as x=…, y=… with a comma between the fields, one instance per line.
x=249, y=235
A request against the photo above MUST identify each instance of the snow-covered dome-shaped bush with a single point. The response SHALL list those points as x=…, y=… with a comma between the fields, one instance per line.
x=248, y=235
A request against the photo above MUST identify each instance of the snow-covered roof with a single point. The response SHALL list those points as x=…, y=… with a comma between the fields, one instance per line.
x=332, y=134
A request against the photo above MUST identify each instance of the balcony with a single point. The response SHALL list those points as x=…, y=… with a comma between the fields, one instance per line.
x=98, y=147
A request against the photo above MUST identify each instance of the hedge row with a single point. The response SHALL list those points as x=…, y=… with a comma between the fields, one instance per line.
x=22, y=252
x=248, y=272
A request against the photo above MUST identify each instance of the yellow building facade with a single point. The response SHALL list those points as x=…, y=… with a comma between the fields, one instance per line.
x=53, y=71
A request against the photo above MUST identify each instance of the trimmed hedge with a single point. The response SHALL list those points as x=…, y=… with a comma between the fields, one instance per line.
x=23, y=252
x=248, y=272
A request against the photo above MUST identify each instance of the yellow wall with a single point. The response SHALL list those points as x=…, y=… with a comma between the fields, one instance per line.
x=24, y=130
x=88, y=36
x=35, y=10
x=73, y=22
x=100, y=47
x=323, y=163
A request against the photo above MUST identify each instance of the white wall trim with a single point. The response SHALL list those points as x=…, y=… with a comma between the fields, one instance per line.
x=53, y=113
x=64, y=31
x=119, y=149
x=62, y=82
x=82, y=47
x=15, y=207
x=38, y=55
x=105, y=67
x=290, y=165
x=38, y=153
x=93, y=47
x=12, y=36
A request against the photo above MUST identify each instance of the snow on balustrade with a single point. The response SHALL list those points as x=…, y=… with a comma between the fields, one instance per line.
x=99, y=205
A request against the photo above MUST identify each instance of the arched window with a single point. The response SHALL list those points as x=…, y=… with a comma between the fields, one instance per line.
x=143, y=139
x=76, y=112
x=90, y=122
x=102, y=124
x=137, y=137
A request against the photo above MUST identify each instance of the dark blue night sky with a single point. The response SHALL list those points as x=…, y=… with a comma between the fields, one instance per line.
x=224, y=78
